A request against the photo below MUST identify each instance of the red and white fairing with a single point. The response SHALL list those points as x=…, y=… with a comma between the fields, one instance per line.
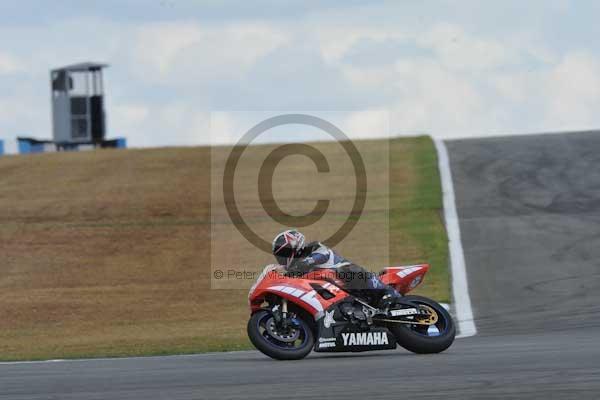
x=301, y=291
x=296, y=290
x=404, y=278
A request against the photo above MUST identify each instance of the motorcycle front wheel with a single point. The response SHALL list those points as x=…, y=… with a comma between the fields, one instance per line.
x=292, y=343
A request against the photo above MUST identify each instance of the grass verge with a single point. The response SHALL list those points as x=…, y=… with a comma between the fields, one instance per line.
x=104, y=254
x=417, y=217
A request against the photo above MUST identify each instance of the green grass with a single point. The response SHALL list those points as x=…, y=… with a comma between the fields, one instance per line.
x=419, y=216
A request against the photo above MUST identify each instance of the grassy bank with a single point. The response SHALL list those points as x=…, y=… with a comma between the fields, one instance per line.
x=416, y=225
x=107, y=253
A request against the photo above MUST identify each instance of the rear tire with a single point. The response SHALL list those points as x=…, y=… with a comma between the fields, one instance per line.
x=411, y=338
x=265, y=343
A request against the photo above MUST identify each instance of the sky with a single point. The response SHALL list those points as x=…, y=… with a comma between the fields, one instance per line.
x=182, y=72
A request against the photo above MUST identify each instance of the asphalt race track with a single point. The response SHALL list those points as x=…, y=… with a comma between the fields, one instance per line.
x=530, y=222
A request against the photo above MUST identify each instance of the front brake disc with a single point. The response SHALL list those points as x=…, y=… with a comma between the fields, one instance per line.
x=288, y=336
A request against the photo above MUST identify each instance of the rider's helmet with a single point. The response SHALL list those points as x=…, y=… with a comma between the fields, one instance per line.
x=287, y=246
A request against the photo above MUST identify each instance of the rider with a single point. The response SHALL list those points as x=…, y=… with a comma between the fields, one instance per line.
x=298, y=258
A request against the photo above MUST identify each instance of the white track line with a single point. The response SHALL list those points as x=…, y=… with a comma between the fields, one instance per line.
x=139, y=358
x=460, y=285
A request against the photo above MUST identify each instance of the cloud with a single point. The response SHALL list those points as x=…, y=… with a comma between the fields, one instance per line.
x=9, y=64
x=130, y=118
x=450, y=82
x=174, y=123
x=367, y=124
x=180, y=52
x=336, y=42
x=157, y=46
x=434, y=99
x=573, y=92
x=457, y=49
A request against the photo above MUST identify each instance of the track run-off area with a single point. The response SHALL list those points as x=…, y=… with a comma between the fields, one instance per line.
x=528, y=210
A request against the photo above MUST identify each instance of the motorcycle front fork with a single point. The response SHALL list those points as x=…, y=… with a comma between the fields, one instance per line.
x=280, y=313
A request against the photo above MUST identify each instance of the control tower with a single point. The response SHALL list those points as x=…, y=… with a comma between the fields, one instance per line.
x=78, y=113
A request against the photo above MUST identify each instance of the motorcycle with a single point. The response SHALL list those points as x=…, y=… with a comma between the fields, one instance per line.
x=292, y=316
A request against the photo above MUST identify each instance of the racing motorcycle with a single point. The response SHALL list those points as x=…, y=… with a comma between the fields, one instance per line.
x=291, y=316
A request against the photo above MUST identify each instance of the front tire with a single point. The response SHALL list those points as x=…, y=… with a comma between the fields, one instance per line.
x=277, y=346
x=426, y=339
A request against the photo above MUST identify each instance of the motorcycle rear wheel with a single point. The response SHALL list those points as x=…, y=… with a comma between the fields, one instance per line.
x=280, y=346
x=423, y=339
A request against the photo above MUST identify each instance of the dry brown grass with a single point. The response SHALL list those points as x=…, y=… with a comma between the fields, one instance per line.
x=107, y=253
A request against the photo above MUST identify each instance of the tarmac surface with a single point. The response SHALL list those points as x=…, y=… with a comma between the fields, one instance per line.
x=529, y=211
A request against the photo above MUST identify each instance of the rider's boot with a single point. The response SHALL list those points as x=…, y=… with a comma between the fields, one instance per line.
x=388, y=297
x=385, y=295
